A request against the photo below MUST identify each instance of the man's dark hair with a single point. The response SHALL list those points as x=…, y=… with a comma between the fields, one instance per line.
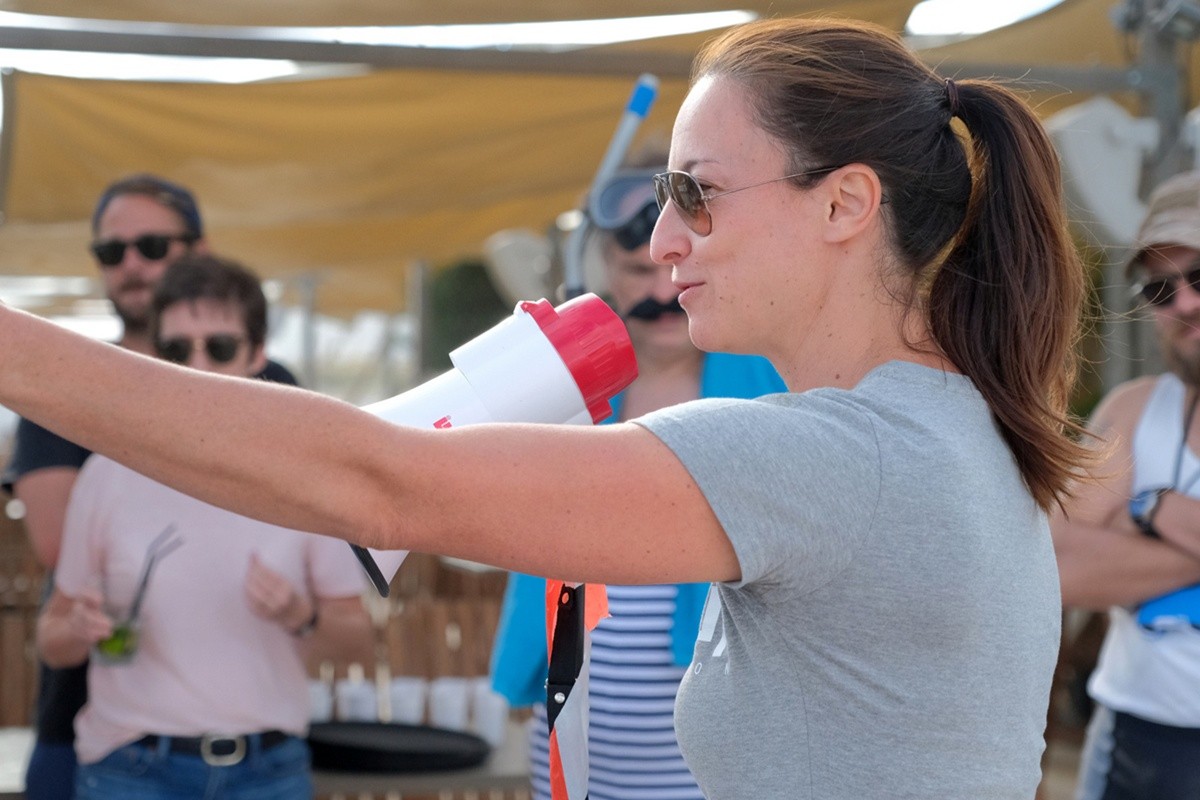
x=164, y=192
x=203, y=276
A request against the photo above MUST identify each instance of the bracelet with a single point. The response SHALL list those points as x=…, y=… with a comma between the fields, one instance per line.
x=308, y=627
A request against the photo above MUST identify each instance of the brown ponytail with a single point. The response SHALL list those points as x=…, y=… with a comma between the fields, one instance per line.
x=976, y=220
x=1005, y=305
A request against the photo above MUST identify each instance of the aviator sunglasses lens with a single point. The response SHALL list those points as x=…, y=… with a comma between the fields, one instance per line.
x=683, y=190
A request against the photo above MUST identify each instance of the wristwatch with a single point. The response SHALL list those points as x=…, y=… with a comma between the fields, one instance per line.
x=308, y=627
x=1142, y=508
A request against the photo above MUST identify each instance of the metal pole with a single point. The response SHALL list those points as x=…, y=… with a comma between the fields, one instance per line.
x=8, y=106
x=414, y=301
x=307, y=286
x=1161, y=54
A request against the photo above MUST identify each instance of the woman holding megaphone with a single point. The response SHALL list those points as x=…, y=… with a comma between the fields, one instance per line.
x=884, y=619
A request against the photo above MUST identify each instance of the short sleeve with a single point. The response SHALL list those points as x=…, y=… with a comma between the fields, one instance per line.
x=81, y=555
x=793, y=479
x=275, y=372
x=35, y=447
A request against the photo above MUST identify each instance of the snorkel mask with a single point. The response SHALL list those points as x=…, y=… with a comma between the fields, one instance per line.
x=626, y=208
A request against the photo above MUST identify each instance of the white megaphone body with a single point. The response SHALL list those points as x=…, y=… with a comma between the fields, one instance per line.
x=542, y=364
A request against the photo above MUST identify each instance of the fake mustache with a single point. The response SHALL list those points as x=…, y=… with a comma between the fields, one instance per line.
x=650, y=309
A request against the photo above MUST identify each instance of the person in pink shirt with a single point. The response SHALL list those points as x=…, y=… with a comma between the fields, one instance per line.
x=212, y=700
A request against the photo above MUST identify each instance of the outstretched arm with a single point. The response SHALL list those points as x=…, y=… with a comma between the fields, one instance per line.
x=609, y=504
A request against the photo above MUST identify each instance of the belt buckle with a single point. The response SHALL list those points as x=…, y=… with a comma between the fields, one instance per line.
x=222, y=760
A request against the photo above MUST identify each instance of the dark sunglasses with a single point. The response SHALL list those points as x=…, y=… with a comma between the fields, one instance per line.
x=152, y=246
x=1160, y=291
x=221, y=348
x=689, y=199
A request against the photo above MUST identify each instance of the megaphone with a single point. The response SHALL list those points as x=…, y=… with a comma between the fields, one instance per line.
x=542, y=364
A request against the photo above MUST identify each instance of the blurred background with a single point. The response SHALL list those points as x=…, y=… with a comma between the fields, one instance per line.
x=402, y=173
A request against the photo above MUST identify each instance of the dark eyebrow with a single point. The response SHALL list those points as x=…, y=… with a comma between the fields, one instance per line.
x=693, y=162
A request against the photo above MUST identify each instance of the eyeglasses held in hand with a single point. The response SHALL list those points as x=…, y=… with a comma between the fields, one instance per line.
x=1161, y=291
x=688, y=197
x=221, y=348
x=152, y=246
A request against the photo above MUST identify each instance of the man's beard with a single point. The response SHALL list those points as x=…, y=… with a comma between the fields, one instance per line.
x=135, y=319
x=137, y=324
x=1184, y=364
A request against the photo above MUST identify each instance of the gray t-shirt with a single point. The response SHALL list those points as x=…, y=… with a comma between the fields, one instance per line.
x=897, y=622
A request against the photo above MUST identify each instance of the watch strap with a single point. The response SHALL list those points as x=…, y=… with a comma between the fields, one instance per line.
x=1145, y=520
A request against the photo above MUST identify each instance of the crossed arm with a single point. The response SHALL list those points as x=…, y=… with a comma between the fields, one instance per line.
x=1103, y=559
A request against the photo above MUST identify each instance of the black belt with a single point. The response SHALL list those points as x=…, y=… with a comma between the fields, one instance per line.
x=217, y=750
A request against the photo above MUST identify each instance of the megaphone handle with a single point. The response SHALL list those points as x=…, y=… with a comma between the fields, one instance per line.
x=373, y=572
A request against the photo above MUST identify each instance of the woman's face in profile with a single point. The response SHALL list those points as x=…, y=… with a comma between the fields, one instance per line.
x=744, y=285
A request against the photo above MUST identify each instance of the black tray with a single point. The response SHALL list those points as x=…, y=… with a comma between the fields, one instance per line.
x=389, y=747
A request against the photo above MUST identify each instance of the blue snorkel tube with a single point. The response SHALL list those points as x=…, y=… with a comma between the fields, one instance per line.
x=644, y=94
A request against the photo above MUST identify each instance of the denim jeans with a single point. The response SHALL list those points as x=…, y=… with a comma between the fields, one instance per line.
x=135, y=772
x=51, y=772
x=1126, y=758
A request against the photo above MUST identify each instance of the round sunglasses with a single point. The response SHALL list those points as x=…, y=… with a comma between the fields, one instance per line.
x=1160, y=291
x=151, y=246
x=220, y=347
x=688, y=197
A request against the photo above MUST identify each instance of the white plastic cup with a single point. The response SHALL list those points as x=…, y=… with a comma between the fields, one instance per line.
x=320, y=701
x=450, y=703
x=408, y=693
x=356, y=701
x=489, y=712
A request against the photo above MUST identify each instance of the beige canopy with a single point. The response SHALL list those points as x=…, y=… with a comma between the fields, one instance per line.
x=356, y=177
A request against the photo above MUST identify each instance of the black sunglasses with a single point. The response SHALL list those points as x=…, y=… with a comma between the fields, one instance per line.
x=221, y=348
x=1160, y=291
x=685, y=192
x=152, y=246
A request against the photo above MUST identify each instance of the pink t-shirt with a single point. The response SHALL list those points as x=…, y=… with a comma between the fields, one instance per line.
x=206, y=663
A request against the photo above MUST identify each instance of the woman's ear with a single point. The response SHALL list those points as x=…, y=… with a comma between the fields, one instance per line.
x=852, y=195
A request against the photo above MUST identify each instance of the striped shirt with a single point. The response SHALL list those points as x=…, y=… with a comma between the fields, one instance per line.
x=632, y=752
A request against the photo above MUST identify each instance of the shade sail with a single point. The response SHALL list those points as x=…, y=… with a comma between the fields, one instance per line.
x=355, y=177
x=1076, y=34
x=890, y=13
x=351, y=177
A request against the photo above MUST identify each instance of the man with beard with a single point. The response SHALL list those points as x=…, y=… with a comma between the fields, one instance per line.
x=640, y=653
x=142, y=224
x=1130, y=542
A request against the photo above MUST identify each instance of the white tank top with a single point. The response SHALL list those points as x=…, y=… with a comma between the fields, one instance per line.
x=1151, y=668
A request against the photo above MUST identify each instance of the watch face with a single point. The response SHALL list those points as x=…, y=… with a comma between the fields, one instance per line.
x=1142, y=502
